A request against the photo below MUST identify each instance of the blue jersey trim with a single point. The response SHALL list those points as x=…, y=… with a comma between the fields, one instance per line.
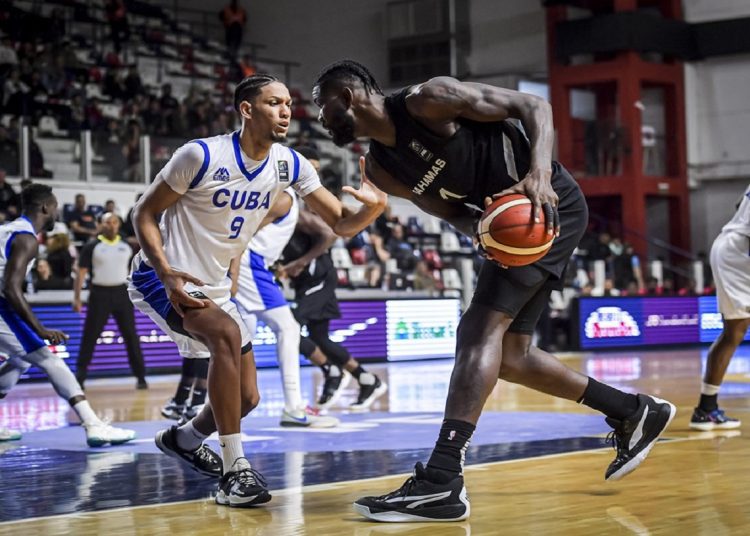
x=9, y=243
x=249, y=175
x=206, y=159
x=269, y=291
x=25, y=217
x=295, y=174
x=150, y=286
x=28, y=338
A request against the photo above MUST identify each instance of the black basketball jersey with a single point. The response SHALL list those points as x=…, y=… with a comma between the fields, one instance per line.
x=479, y=160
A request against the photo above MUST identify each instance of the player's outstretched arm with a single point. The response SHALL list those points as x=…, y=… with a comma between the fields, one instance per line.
x=23, y=249
x=343, y=221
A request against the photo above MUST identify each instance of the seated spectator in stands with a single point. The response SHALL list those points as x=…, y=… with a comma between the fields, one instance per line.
x=424, y=278
x=652, y=287
x=169, y=104
x=627, y=267
x=60, y=258
x=616, y=246
x=385, y=222
x=110, y=207
x=81, y=221
x=9, y=201
x=133, y=84
x=113, y=84
x=247, y=68
x=8, y=56
x=53, y=77
x=15, y=94
x=42, y=277
x=587, y=289
x=36, y=162
x=234, y=18
x=600, y=250
x=131, y=150
x=631, y=289
x=117, y=15
x=668, y=287
x=153, y=118
x=396, y=247
x=8, y=152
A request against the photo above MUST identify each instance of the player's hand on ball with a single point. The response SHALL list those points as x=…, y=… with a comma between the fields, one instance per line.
x=367, y=194
x=54, y=336
x=536, y=186
x=174, y=283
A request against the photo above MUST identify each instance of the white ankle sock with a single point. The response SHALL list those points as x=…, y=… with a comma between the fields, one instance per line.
x=366, y=378
x=708, y=389
x=334, y=371
x=188, y=437
x=232, y=452
x=86, y=413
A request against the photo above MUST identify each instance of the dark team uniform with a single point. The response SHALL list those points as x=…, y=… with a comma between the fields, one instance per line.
x=479, y=160
x=315, y=287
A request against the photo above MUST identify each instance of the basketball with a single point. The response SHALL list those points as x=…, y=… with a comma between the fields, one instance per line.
x=508, y=233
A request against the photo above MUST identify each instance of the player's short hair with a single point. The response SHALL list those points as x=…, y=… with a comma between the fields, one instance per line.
x=35, y=195
x=349, y=70
x=311, y=153
x=250, y=88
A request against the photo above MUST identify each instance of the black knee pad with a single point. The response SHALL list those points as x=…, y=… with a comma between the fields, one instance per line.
x=306, y=347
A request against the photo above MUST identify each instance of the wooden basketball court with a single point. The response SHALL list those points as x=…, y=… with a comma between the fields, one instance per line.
x=542, y=472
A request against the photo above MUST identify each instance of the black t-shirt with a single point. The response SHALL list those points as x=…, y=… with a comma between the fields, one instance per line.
x=85, y=218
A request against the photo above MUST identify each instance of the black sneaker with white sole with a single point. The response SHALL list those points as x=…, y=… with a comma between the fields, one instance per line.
x=634, y=437
x=242, y=489
x=368, y=394
x=202, y=460
x=418, y=500
x=332, y=389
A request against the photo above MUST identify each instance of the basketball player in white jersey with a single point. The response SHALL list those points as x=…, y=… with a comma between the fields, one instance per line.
x=259, y=296
x=22, y=336
x=730, y=263
x=215, y=194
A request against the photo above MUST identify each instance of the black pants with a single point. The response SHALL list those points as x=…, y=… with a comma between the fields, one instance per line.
x=334, y=351
x=105, y=301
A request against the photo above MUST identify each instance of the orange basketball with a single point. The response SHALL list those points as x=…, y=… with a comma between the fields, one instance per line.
x=508, y=233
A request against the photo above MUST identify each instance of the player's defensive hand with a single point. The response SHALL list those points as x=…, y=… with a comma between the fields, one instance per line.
x=54, y=336
x=536, y=186
x=368, y=194
x=174, y=282
x=293, y=269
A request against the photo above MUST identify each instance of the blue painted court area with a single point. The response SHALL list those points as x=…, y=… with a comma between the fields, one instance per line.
x=53, y=473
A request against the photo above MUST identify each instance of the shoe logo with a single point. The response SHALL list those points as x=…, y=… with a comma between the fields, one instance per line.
x=222, y=445
x=638, y=432
x=419, y=500
x=451, y=435
x=302, y=419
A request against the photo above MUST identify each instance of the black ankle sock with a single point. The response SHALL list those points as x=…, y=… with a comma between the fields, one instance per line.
x=450, y=447
x=357, y=371
x=610, y=401
x=183, y=391
x=709, y=402
x=199, y=397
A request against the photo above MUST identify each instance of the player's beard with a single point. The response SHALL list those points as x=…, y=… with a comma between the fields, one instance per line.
x=278, y=138
x=49, y=226
x=342, y=128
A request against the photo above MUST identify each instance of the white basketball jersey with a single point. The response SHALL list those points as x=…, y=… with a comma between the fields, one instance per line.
x=225, y=196
x=8, y=232
x=740, y=222
x=270, y=241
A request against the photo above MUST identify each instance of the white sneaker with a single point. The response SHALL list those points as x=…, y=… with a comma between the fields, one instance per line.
x=100, y=434
x=7, y=434
x=307, y=418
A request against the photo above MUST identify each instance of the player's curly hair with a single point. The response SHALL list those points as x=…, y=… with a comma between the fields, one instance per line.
x=250, y=87
x=35, y=195
x=349, y=70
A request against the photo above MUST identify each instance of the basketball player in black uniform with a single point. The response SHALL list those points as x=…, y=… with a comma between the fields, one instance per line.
x=448, y=146
x=314, y=280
